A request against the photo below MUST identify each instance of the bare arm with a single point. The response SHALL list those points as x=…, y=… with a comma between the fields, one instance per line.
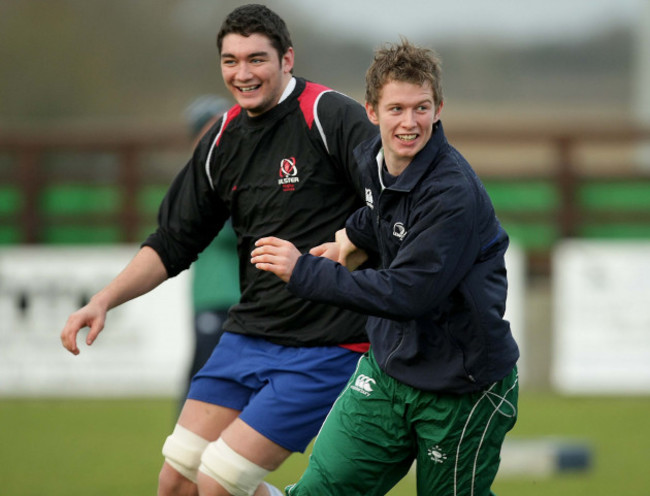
x=145, y=272
x=342, y=251
x=279, y=256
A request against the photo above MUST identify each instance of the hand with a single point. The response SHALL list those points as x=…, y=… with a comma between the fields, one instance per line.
x=342, y=250
x=93, y=315
x=275, y=255
x=329, y=250
x=350, y=256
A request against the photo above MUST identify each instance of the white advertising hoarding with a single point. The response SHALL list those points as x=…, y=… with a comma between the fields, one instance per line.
x=516, y=304
x=601, y=338
x=145, y=347
x=143, y=350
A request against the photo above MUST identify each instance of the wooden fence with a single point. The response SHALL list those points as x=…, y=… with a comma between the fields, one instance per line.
x=103, y=186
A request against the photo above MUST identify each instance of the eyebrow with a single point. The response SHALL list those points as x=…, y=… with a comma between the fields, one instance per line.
x=402, y=104
x=249, y=56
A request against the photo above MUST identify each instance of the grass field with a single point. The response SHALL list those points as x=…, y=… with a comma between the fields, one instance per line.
x=112, y=447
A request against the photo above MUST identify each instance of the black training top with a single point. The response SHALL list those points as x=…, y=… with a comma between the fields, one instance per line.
x=289, y=173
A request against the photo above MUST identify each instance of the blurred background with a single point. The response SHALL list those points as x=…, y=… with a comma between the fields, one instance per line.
x=549, y=101
x=72, y=62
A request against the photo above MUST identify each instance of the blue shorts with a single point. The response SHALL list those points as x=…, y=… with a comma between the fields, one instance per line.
x=284, y=393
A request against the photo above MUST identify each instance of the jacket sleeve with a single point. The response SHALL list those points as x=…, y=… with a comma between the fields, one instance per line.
x=360, y=230
x=434, y=257
x=190, y=215
x=343, y=125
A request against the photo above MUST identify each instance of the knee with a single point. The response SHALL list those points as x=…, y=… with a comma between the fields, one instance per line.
x=238, y=475
x=182, y=451
x=172, y=483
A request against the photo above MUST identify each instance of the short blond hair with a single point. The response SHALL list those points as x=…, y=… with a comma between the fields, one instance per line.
x=403, y=62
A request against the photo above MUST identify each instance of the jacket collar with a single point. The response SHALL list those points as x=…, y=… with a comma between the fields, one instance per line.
x=284, y=106
x=367, y=152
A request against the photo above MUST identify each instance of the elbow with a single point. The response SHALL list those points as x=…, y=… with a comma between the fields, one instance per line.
x=406, y=308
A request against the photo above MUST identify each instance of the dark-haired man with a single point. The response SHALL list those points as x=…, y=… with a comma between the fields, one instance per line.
x=280, y=162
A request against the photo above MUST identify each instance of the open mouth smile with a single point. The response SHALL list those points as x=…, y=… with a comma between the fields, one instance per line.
x=248, y=89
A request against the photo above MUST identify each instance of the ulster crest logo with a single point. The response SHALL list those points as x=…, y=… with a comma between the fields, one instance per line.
x=288, y=174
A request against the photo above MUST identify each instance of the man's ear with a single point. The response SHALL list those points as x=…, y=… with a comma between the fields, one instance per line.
x=287, y=61
x=372, y=115
x=436, y=117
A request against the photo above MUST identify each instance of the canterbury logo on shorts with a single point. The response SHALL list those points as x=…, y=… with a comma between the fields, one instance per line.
x=363, y=384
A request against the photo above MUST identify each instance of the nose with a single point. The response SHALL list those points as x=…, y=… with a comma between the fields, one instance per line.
x=243, y=72
x=408, y=119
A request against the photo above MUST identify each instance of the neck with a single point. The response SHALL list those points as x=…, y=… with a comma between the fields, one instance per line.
x=396, y=167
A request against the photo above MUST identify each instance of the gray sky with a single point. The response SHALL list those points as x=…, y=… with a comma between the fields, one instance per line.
x=508, y=20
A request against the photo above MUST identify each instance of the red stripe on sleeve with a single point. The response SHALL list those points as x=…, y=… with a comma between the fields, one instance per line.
x=307, y=99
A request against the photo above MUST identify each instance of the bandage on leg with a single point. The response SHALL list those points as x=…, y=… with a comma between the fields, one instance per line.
x=238, y=475
x=183, y=449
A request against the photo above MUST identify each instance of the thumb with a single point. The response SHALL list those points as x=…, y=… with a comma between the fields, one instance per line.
x=95, y=329
x=317, y=251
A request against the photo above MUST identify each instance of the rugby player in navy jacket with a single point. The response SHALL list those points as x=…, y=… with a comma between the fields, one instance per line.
x=439, y=384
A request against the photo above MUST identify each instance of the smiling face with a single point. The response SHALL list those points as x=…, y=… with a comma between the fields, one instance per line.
x=254, y=72
x=405, y=113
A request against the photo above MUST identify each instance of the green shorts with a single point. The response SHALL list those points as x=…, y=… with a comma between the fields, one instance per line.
x=379, y=426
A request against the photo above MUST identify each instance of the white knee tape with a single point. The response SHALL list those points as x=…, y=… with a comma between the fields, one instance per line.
x=238, y=475
x=183, y=449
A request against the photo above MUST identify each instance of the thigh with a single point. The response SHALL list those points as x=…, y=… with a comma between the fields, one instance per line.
x=205, y=419
x=364, y=447
x=229, y=377
x=283, y=393
x=254, y=446
x=300, y=387
x=460, y=438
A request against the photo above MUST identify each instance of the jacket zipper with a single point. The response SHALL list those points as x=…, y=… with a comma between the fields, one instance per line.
x=380, y=239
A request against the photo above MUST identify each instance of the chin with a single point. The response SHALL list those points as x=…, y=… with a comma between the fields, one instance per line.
x=256, y=106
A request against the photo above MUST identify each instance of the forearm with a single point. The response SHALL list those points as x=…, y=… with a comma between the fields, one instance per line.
x=145, y=272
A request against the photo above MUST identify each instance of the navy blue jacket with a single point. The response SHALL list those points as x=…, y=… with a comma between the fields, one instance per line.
x=437, y=303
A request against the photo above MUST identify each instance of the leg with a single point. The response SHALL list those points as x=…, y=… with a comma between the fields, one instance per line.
x=206, y=421
x=460, y=438
x=283, y=393
x=203, y=417
x=364, y=447
x=223, y=472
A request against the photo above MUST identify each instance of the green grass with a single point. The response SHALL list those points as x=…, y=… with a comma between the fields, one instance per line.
x=110, y=447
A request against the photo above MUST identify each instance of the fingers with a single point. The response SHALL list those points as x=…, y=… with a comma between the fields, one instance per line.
x=92, y=335
x=270, y=263
x=326, y=250
x=275, y=255
x=270, y=241
x=265, y=256
x=69, y=337
x=319, y=250
x=270, y=250
x=76, y=322
x=265, y=248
